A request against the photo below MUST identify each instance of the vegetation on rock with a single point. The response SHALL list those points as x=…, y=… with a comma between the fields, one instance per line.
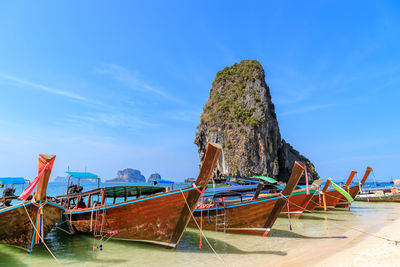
x=240, y=115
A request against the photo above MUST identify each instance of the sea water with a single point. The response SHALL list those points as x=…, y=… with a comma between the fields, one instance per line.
x=288, y=239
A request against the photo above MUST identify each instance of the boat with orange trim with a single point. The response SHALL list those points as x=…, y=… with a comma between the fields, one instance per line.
x=150, y=214
x=246, y=216
x=26, y=224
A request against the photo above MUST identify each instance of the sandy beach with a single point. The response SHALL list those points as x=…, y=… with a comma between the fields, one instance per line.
x=369, y=249
x=364, y=245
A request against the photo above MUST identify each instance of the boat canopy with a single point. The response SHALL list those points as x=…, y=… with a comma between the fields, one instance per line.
x=266, y=178
x=230, y=188
x=83, y=175
x=247, y=180
x=130, y=191
x=121, y=191
x=12, y=180
x=160, y=181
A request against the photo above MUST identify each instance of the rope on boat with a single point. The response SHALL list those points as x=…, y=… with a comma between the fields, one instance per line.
x=201, y=213
x=44, y=243
x=201, y=231
x=59, y=228
x=288, y=204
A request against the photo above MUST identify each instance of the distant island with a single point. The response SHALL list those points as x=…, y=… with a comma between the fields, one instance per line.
x=154, y=176
x=60, y=179
x=128, y=176
x=190, y=180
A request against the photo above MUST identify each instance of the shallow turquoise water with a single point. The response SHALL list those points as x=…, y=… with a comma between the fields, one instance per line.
x=235, y=250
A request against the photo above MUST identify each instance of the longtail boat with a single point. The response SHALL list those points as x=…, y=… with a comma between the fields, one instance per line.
x=299, y=200
x=144, y=214
x=332, y=196
x=255, y=216
x=353, y=190
x=318, y=198
x=379, y=196
x=26, y=224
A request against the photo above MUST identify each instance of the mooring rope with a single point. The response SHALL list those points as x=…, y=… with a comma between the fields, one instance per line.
x=191, y=214
x=44, y=243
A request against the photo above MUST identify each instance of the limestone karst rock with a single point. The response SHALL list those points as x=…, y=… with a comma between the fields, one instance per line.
x=240, y=115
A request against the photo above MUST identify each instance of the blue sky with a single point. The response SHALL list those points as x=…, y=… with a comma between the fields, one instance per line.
x=109, y=85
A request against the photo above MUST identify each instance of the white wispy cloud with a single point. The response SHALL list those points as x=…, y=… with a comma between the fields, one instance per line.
x=111, y=120
x=38, y=86
x=191, y=116
x=306, y=109
x=132, y=80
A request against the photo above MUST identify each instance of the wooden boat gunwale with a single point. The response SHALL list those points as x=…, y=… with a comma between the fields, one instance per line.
x=132, y=201
x=277, y=200
x=157, y=225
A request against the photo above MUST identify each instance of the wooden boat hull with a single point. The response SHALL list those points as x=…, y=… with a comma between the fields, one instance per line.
x=379, y=198
x=298, y=201
x=16, y=228
x=159, y=219
x=353, y=191
x=332, y=198
x=249, y=217
x=255, y=216
x=314, y=202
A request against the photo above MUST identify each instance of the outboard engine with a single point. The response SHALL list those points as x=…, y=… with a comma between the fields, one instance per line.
x=8, y=192
x=74, y=189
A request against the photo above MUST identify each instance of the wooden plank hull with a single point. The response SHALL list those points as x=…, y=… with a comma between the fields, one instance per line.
x=332, y=198
x=255, y=216
x=317, y=199
x=159, y=219
x=314, y=202
x=16, y=228
x=249, y=217
x=353, y=191
x=298, y=201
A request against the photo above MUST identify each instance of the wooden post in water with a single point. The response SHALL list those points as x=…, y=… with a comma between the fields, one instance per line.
x=41, y=188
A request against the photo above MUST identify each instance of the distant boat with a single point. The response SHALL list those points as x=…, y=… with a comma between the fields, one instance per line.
x=380, y=196
x=332, y=196
x=299, y=200
x=395, y=181
x=26, y=224
x=138, y=213
x=255, y=216
x=353, y=190
x=317, y=199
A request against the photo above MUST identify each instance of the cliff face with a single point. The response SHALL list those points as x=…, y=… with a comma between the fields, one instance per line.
x=240, y=115
x=129, y=175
